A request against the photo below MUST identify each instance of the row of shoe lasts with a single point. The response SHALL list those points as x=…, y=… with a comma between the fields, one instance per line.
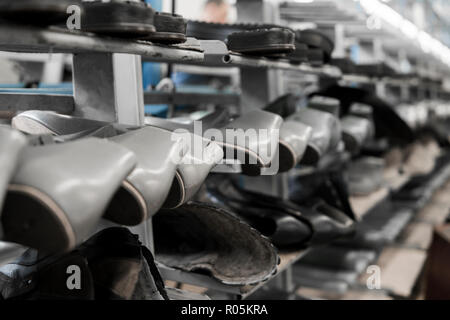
x=211, y=235
x=125, y=19
x=298, y=46
x=59, y=191
x=288, y=224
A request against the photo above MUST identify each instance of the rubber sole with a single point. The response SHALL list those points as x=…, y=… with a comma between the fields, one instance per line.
x=170, y=29
x=262, y=42
x=118, y=18
x=170, y=23
x=166, y=37
x=218, y=31
x=122, y=30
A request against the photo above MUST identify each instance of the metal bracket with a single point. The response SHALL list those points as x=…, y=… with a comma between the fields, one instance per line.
x=215, y=51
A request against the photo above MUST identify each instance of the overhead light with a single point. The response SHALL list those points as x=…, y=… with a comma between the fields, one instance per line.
x=380, y=11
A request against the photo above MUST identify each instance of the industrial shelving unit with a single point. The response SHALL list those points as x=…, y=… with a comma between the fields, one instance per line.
x=107, y=82
x=261, y=82
x=107, y=86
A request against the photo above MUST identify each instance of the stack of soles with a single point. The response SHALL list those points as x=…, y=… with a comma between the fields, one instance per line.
x=128, y=19
x=125, y=19
x=114, y=18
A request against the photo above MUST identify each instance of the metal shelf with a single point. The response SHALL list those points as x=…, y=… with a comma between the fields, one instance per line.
x=55, y=40
x=391, y=81
x=190, y=98
x=217, y=55
x=287, y=259
x=251, y=62
x=12, y=102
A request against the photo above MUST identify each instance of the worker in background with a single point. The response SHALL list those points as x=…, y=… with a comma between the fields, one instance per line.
x=216, y=11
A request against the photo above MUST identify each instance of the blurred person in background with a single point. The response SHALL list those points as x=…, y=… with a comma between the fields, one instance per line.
x=216, y=11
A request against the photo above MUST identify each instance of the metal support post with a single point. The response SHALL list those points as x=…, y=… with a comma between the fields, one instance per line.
x=108, y=87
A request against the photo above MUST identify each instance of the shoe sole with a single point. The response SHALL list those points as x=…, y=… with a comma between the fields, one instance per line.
x=262, y=42
x=121, y=30
x=166, y=37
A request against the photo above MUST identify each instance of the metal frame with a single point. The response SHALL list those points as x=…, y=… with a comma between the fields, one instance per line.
x=10, y=103
x=34, y=40
x=187, y=98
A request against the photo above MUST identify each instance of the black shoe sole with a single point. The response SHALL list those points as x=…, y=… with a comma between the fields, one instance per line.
x=203, y=238
x=170, y=29
x=122, y=30
x=262, y=42
x=118, y=19
x=166, y=38
x=220, y=31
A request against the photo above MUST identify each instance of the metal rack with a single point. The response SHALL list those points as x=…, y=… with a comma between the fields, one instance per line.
x=216, y=54
x=107, y=81
x=57, y=40
x=108, y=86
x=191, y=98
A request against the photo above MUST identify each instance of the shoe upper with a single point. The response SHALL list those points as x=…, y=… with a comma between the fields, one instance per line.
x=150, y=182
x=69, y=185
